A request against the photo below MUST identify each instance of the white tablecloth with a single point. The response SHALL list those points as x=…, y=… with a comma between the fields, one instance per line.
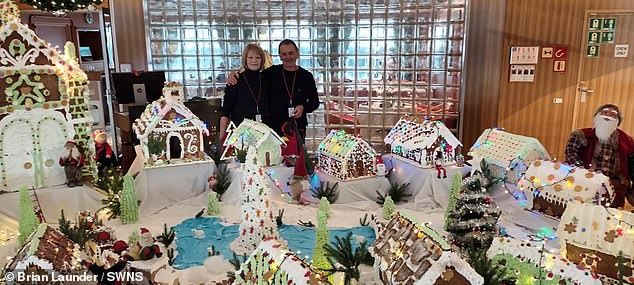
x=425, y=186
x=53, y=200
x=160, y=187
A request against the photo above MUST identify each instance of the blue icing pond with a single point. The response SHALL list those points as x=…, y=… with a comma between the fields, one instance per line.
x=193, y=251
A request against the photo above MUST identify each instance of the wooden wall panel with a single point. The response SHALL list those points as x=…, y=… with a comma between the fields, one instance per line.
x=528, y=108
x=483, y=59
x=129, y=32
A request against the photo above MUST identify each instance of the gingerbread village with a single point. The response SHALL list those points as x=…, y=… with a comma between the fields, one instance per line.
x=263, y=208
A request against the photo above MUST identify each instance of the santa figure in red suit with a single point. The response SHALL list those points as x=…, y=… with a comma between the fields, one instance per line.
x=72, y=160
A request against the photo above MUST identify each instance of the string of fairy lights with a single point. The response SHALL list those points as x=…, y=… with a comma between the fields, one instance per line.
x=538, y=184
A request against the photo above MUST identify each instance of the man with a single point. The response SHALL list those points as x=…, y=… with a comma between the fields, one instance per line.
x=605, y=148
x=292, y=90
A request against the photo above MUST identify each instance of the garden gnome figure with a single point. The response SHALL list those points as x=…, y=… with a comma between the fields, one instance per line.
x=299, y=182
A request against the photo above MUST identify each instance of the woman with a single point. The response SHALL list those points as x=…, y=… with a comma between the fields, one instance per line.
x=249, y=98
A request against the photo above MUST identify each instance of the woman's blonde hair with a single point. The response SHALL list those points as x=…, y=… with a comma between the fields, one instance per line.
x=265, y=58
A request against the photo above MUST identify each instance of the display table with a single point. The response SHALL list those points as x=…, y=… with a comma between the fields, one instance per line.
x=53, y=200
x=160, y=187
x=425, y=186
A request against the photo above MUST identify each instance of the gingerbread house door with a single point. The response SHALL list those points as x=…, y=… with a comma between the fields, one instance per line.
x=52, y=133
x=175, y=146
x=17, y=153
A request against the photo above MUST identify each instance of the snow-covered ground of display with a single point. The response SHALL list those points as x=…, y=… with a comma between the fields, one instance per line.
x=517, y=222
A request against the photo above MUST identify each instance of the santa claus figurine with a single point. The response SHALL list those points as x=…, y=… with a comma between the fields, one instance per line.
x=103, y=151
x=148, y=249
x=72, y=160
x=299, y=182
x=438, y=163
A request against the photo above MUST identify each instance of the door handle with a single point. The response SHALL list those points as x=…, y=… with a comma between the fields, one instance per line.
x=584, y=91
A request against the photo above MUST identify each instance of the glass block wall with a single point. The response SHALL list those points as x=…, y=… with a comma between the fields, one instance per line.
x=373, y=60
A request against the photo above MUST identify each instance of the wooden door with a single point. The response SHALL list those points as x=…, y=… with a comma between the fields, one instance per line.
x=604, y=75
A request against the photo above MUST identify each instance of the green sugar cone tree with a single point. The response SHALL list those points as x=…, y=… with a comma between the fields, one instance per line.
x=28, y=221
x=129, y=202
x=456, y=181
x=324, y=205
x=388, y=207
x=320, y=260
x=213, y=206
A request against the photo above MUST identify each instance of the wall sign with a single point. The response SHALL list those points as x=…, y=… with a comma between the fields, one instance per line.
x=609, y=24
x=561, y=52
x=595, y=24
x=607, y=37
x=522, y=73
x=621, y=50
x=592, y=51
x=547, y=52
x=594, y=37
x=524, y=55
x=559, y=66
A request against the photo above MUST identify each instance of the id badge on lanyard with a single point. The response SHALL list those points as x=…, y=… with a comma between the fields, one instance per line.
x=258, y=118
x=290, y=111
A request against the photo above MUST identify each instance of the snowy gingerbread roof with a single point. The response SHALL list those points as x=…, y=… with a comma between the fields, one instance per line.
x=22, y=54
x=523, y=257
x=501, y=149
x=411, y=253
x=599, y=228
x=155, y=116
x=48, y=249
x=340, y=145
x=555, y=181
x=249, y=129
x=273, y=263
x=415, y=132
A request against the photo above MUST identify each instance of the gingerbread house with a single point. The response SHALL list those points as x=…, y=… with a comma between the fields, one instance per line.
x=525, y=259
x=43, y=104
x=409, y=253
x=345, y=156
x=273, y=263
x=593, y=237
x=420, y=140
x=47, y=251
x=507, y=155
x=267, y=142
x=549, y=186
x=169, y=132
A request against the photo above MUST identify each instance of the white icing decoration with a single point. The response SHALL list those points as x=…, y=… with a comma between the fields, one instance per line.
x=501, y=150
x=266, y=140
x=414, y=135
x=530, y=253
x=592, y=189
x=340, y=149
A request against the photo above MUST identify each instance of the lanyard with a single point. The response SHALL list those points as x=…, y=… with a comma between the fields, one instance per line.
x=290, y=92
x=257, y=100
